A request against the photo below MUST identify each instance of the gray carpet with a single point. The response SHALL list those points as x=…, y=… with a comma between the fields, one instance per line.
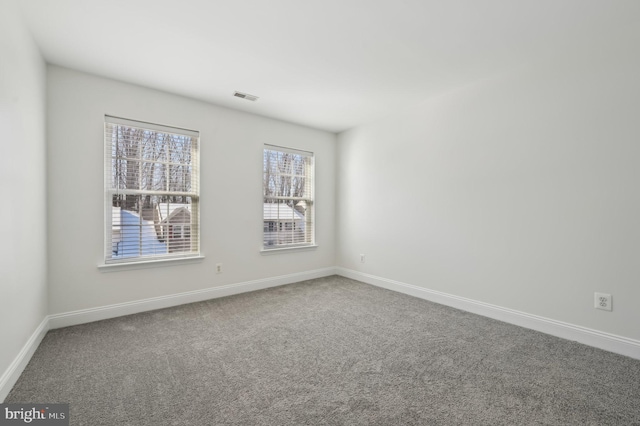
x=331, y=351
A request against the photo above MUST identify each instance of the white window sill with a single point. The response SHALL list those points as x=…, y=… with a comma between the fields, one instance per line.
x=153, y=263
x=281, y=250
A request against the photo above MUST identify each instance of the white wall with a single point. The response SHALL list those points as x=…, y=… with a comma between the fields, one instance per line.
x=519, y=191
x=23, y=261
x=231, y=203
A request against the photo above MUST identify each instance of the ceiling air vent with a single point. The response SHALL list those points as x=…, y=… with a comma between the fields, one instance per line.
x=245, y=96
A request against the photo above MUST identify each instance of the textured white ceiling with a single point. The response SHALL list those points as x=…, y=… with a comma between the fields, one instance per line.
x=326, y=64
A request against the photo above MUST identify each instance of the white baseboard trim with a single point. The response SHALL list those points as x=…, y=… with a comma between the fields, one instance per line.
x=127, y=308
x=609, y=342
x=11, y=374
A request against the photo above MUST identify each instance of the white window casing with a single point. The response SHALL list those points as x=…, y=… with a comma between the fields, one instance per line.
x=152, y=192
x=288, y=211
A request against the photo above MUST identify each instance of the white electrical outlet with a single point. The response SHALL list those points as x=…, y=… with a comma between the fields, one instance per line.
x=602, y=301
x=362, y=258
x=218, y=268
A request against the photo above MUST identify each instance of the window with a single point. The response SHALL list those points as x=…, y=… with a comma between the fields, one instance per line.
x=151, y=191
x=287, y=188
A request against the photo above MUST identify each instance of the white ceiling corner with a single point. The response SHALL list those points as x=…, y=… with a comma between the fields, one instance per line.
x=325, y=64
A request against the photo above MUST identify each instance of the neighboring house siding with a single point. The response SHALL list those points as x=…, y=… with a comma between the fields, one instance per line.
x=282, y=224
x=174, y=226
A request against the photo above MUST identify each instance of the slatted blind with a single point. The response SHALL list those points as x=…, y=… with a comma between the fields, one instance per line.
x=288, y=200
x=151, y=191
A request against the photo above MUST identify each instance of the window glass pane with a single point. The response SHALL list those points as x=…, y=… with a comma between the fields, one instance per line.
x=133, y=234
x=126, y=142
x=179, y=178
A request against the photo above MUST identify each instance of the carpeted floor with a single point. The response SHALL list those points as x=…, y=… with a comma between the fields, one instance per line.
x=330, y=351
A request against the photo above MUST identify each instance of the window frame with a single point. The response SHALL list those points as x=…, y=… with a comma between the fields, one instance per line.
x=193, y=194
x=310, y=200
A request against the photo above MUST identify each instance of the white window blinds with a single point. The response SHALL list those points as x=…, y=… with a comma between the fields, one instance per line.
x=151, y=191
x=288, y=200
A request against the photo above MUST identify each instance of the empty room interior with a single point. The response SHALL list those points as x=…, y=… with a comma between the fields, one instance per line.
x=288, y=212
